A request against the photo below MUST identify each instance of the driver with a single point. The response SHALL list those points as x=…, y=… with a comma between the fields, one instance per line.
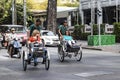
x=11, y=38
x=62, y=29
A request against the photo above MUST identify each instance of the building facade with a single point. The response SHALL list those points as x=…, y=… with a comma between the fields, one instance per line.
x=63, y=13
x=110, y=11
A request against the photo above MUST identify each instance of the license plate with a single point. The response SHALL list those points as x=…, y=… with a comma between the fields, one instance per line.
x=48, y=42
x=40, y=48
x=55, y=42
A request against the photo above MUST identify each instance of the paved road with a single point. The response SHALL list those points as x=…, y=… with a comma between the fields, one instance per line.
x=95, y=65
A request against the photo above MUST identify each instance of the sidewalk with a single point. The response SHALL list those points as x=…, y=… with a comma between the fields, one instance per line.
x=109, y=48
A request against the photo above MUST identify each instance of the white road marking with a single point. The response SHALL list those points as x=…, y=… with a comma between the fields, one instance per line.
x=94, y=73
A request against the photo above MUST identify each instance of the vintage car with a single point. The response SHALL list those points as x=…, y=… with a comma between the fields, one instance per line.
x=19, y=29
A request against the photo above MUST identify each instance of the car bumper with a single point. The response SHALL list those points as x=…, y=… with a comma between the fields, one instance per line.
x=52, y=43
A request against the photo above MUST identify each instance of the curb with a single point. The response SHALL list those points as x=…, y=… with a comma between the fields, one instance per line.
x=92, y=48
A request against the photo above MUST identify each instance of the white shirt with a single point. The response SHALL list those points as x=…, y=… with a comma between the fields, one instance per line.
x=12, y=36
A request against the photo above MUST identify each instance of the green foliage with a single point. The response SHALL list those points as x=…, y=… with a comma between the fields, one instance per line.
x=4, y=9
x=77, y=32
x=71, y=4
x=20, y=15
x=117, y=31
x=6, y=13
x=96, y=30
x=35, y=5
x=80, y=34
x=67, y=3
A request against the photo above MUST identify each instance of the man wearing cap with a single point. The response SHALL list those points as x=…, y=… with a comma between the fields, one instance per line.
x=13, y=35
x=11, y=38
x=62, y=29
x=35, y=26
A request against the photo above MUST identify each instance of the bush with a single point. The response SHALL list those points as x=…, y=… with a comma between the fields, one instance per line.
x=96, y=30
x=117, y=31
x=79, y=33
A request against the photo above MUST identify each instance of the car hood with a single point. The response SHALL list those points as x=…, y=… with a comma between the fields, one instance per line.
x=50, y=37
x=21, y=34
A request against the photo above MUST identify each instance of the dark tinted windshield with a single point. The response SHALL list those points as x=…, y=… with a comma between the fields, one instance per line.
x=49, y=33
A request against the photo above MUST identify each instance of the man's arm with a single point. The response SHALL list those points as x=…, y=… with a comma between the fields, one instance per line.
x=59, y=32
x=30, y=30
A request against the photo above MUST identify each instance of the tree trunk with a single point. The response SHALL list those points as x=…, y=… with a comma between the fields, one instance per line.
x=51, y=15
x=14, y=15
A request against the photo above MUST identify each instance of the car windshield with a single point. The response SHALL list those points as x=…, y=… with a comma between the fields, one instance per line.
x=49, y=33
x=19, y=29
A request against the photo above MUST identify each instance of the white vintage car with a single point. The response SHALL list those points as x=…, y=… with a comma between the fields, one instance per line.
x=49, y=38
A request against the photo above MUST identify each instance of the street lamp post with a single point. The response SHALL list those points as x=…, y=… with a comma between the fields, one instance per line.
x=81, y=13
x=92, y=15
x=99, y=17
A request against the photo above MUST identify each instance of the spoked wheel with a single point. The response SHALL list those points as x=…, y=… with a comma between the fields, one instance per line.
x=24, y=61
x=47, y=62
x=61, y=54
x=78, y=55
x=11, y=52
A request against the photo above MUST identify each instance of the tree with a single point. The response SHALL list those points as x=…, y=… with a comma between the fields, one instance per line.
x=51, y=15
x=36, y=5
x=4, y=9
x=6, y=12
x=68, y=3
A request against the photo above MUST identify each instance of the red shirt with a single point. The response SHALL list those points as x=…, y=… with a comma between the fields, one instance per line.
x=32, y=39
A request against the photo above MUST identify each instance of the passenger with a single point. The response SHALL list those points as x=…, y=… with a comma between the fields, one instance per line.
x=33, y=39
